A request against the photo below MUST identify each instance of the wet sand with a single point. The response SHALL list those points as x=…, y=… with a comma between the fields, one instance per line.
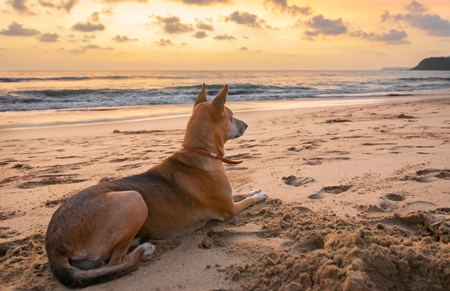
x=359, y=197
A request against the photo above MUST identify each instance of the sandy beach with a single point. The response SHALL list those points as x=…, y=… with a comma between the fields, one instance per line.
x=359, y=195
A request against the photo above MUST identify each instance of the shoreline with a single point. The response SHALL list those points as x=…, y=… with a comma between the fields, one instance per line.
x=50, y=119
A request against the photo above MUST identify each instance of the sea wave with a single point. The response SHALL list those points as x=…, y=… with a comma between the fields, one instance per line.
x=85, y=78
x=23, y=91
x=425, y=79
x=159, y=77
x=68, y=79
x=76, y=98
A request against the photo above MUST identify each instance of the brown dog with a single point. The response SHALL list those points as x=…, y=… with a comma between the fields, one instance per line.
x=88, y=237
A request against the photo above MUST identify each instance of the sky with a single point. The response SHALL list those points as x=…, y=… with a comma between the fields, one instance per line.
x=221, y=34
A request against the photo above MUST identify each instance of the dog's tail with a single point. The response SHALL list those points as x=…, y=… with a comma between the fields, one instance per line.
x=73, y=277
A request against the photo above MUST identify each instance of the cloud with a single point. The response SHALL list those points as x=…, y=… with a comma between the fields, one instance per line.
x=48, y=4
x=124, y=38
x=95, y=17
x=16, y=29
x=416, y=7
x=321, y=25
x=431, y=24
x=84, y=49
x=85, y=38
x=94, y=46
x=224, y=37
x=204, y=26
x=173, y=25
x=205, y=2
x=281, y=6
x=77, y=51
x=244, y=48
x=164, y=42
x=120, y=1
x=108, y=11
x=71, y=38
x=20, y=6
x=385, y=16
x=88, y=38
x=66, y=5
x=49, y=37
x=247, y=19
x=392, y=37
x=88, y=27
x=200, y=34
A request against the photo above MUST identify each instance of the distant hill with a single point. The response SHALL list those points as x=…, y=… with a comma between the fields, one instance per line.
x=435, y=63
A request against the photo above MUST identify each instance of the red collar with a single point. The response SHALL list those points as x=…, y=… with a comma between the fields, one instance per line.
x=212, y=155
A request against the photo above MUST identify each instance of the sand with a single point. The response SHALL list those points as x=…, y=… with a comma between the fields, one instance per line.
x=359, y=198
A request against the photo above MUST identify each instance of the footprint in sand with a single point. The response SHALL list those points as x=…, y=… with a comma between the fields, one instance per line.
x=6, y=215
x=394, y=197
x=302, y=209
x=390, y=202
x=297, y=181
x=419, y=224
x=420, y=205
x=56, y=202
x=330, y=190
x=378, y=143
x=129, y=167
x=48, y=180
x=337, y=120
x=319, y=160
x=5, y=232
x=405, y=116
x=429, y=175
x=312, y=144
x=244, y=156
x=294, y=149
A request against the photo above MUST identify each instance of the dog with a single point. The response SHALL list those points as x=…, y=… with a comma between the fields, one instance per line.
x=88, y=236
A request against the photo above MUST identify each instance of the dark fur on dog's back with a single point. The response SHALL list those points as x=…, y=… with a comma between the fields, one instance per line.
x=151, y=182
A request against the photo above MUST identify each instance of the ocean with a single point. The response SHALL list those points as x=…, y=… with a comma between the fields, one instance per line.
x=43, y=90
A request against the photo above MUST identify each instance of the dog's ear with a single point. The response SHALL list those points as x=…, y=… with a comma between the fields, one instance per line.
x=219, y=102
x=201, y=96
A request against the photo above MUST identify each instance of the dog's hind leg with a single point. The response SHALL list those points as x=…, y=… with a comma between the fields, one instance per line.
x=131, y=211
x=142, y=253
x=93, y=229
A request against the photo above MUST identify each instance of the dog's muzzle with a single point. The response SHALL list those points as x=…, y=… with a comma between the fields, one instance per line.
x=240, y=128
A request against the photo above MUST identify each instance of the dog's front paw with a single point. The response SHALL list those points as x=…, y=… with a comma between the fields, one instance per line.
x=149, y=249
x=260, y=195
x=253, y=192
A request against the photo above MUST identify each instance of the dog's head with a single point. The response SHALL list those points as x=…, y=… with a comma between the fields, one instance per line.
x=213, y=120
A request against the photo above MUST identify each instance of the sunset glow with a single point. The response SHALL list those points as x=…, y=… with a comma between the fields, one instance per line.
x=220, y=34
